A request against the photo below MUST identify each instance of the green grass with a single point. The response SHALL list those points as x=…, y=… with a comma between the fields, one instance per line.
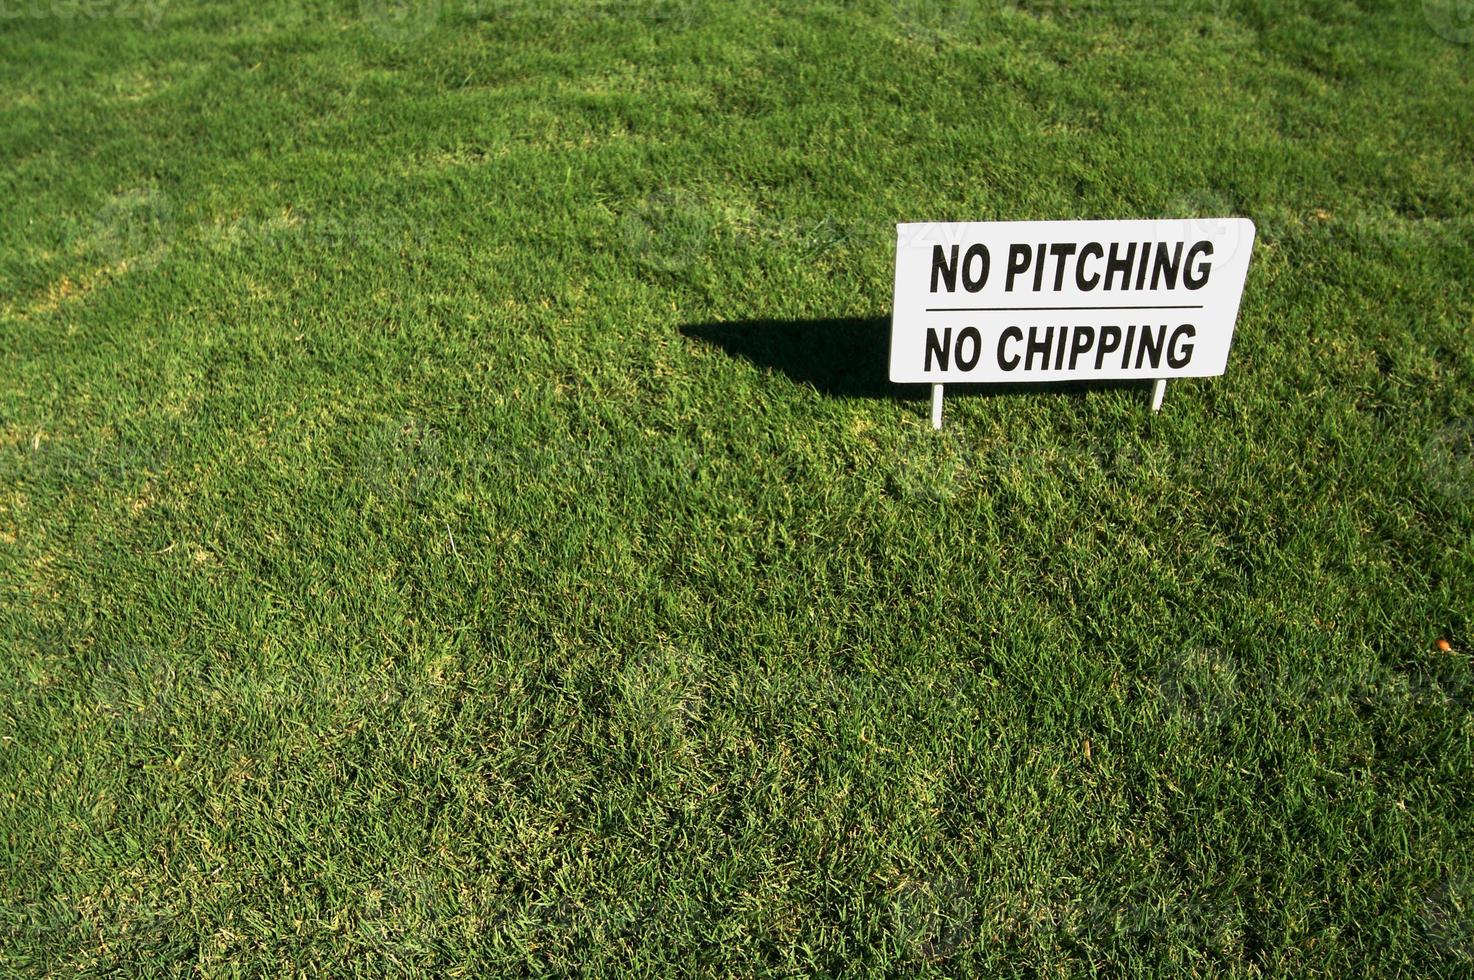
x=401, y=574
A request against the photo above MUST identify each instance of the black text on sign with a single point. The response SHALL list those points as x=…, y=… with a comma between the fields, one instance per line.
x=1054, y=300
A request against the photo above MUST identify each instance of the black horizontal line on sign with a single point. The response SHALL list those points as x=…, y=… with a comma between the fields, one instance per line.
x=1025, y=309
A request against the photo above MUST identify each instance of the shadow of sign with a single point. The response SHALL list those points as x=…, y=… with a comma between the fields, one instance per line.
x=847, y=357
x=843, y=357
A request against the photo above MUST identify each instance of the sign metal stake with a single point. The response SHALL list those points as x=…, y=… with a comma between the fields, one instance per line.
x=1159, y=391
x=936, y=406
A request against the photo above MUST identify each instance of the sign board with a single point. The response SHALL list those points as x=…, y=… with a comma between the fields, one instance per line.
x=1021, y=301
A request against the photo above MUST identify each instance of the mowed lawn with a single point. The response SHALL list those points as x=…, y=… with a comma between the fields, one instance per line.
x=454, y=521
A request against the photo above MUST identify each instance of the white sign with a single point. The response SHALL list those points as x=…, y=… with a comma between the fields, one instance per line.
x=1020, y=301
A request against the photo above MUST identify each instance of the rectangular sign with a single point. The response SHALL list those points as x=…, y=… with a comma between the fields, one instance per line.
x=1021, y=301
